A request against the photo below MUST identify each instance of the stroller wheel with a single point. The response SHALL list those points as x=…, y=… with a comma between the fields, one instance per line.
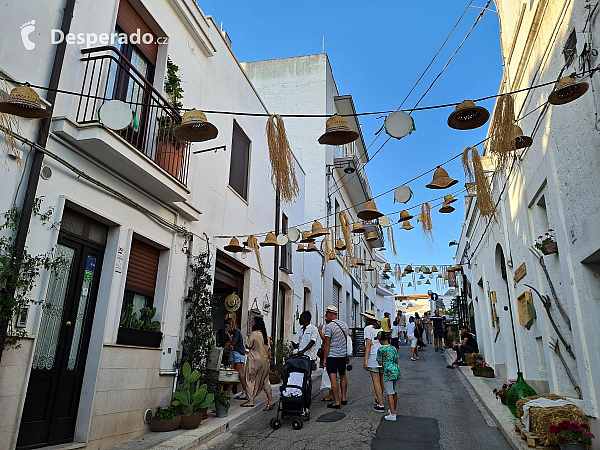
x=275, y=423
x=297, y=424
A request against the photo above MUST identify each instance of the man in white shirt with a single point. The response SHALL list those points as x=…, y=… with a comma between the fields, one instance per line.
x=412, y=339
x=307, y=341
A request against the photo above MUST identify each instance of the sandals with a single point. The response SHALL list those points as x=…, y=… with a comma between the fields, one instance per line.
x=247, y=405
x=449, y=366
x=269, y=407
x=325, y=399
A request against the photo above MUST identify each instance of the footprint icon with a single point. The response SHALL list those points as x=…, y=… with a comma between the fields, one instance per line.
x=26, y=30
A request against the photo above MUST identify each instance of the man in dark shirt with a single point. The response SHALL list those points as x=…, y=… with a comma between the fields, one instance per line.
x=438, y=330
x=468, y=344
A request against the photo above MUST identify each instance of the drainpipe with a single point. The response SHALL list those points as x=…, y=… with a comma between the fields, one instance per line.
x=276, y=268
x=38, y=157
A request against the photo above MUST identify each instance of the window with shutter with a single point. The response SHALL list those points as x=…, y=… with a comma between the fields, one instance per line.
x=141, y=275
x=130, y=21
x=336, y=295
x=286, y=250
x=240, y=156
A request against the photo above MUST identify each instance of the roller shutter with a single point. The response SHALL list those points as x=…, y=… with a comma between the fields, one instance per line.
x=129, y=20
x=142, y=268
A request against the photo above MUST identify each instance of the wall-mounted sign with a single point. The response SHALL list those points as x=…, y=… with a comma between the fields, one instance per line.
x=524, y=301
x=520, y=272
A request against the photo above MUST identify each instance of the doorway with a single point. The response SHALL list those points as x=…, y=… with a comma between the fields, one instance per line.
x=229, y=279
x=52, y=399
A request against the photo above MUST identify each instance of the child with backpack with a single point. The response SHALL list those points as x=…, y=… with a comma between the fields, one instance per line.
x=387, y=357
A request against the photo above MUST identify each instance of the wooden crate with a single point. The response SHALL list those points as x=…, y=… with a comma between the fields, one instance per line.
x=531, y=439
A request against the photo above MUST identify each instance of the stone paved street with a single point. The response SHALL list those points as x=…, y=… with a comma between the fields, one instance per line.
x=436, y=412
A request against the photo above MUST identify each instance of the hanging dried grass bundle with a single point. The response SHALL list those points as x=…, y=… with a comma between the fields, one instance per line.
x=466, y=165
x=346, y=226
x=253, y=244
x=283, y=174
x=484, y=194
x=397, y=273
x=326, y=248
x=332, y=255
x=427, y=224
x=390, y=235
x=503, y=131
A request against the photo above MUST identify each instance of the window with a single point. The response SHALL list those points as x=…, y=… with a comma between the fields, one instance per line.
x=141, y=276
x=336, y=295
x=286, y=250
x=240, y=156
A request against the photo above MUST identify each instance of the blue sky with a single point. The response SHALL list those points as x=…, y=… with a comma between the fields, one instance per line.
x=378, y=50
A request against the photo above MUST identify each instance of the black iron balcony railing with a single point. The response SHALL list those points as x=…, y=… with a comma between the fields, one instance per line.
x=110, y=75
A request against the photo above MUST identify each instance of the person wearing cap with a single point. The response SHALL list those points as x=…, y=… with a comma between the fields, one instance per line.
x=370, y=363
x=335, y=353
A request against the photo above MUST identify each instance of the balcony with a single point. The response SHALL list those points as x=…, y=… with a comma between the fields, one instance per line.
x=149, y=156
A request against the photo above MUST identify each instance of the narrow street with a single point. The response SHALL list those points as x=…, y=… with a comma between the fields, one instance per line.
x=436, y=412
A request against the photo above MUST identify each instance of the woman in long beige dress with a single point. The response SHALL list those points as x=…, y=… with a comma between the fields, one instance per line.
x=258, y=364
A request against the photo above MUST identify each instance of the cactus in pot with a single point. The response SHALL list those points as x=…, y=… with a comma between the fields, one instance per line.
x=190, y=395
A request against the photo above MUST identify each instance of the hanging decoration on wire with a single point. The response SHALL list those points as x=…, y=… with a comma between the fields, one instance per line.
x=23, y=101
x=283, y=173
x=427, y=224
x=402, y=194
x=195, y=127
x=337, y=132
x=390, y=236
x=253, y=244
x=399, y=124
x=502, y=130
x=484, y=194
x=345, y=224
x=468, y=116
x=117, y=115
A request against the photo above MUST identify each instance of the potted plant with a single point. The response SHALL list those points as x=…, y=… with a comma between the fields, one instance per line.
x=169, y=149
x=282, y=352
x=547, y=243
x=191, y=397
x=470, y=358
x=222, y=403
x=143, y=332
x=274, y=377
x=572, y=435
x=482, y=369
x=165, y=419
x=503, y=391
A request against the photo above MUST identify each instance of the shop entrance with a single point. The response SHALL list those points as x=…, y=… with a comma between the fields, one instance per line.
x=229, y=279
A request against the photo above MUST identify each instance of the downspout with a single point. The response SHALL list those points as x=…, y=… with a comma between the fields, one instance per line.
x=276, y=268
x=38, y=157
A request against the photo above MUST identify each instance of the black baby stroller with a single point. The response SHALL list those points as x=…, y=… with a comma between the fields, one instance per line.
x=295, y=392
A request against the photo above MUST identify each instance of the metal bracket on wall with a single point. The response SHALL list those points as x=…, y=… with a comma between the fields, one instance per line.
x=224, y=147
x=554, y=346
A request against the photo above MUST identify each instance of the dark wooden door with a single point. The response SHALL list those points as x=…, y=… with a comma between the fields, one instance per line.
x=54, y=388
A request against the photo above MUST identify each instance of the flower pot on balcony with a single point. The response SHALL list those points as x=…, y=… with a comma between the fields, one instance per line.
x=140, y=338
x=191, y=421
x=165, y=424
x=169, y=156
x=548, y=249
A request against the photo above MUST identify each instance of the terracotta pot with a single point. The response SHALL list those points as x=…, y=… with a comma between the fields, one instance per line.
x=487, y=373
x=577, y=446
x=191, y=421
x=169, y=156
x=548, y=249
x=503, y=399
x=477, y=373
x=204, y=412
x=165, y=424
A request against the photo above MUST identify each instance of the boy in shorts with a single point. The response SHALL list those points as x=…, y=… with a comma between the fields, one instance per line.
x=387, y=357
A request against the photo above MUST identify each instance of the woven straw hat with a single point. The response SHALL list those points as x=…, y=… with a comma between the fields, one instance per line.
x=446, y=208
x=24, y=102
x=371, y=237
x=567, y=90
x=195, y=127
x=387, y=268
x=441, y=179
x=408, y=269
x=340, y=245
x=428, y=282
x=370, y=268
x=427, y=270
x=369, y=314
x=450, y=269
x=318, y=230
x=358, y=228
x=233, y=302
x=468, y=116
x=449, y=199
x=405, y=215
x=311, y=247
x=234, y=246
x=421, y=277
x=434, y=269
x=300, y=248
x=406, y=225
x=306, y=237
x=332, y=309
x=370, y=212
x=337, y=132
x=270, y=241
x=409, y=284
x=519, y=139
x=458, y=268
x=360, y=262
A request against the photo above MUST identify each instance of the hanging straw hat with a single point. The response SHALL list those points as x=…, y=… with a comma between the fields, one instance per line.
x=369, y=314
x=311, y=247
x=520, y=140
x=409, y=284
x=24, y=102
x=300, y=248
x=450, y=269
x=370, y=268
x=567, y=90
x=370, y=212
x=408, y=269
x=441, y=179
x=393, y=286
x=468, y=116
x=405, y=215
x=446, y=208
x=428, y=282
x=406, y=226
x=270, y=241
x=337, y=132
x=234, y=246
x=195, y=127
x=371, y=237
x=340, y=245
x=306, y=237
x=427, y=270
x=449, y=199
x=421, y=277
x=358, y=228
x=387, y=268
x=318, y=230
x=458, y=268
x=434, y=269
x=360, y=262
x=440, y=275
x=233, y=302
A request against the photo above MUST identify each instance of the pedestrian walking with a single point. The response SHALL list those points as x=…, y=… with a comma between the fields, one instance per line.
x=427, y=327
x=401, y=318
x=336, y=355
x=307, y=340
x=325, y=382
x=411, y=330
x=418, y=331
x=394, y=339
x=237, y=352
x=387, y=357
x=438, y=330
x=370, y=363
x=386, y=325
x=257, y=368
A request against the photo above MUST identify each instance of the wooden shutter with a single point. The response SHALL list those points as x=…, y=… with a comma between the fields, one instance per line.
x=238, y=170
x=129, y=20
x=142, y=268
x=336, y=295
